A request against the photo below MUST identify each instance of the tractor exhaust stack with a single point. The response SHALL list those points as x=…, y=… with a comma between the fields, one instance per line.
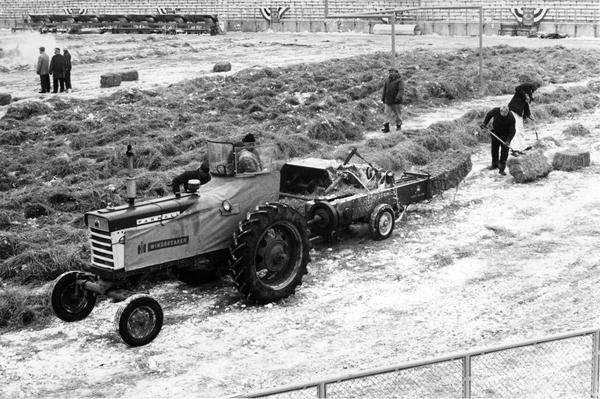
x=131, y=188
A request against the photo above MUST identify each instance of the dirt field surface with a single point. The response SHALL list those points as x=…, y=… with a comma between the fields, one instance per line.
x=489, y=262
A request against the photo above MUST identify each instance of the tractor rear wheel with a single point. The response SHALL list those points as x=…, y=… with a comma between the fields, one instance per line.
x=381, y=222
x=69, y=300
x=270, y=253
x=139, y=319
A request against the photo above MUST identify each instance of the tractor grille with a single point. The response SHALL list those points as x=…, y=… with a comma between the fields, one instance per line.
x=102, y=254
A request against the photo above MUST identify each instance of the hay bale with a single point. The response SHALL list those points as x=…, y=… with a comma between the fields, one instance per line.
x=576, y=129
x=571, y=159
x=455, y=169
x=110, y=80
x=224, y=66
x=5, y=98
x=128, y=76
x=528, y=167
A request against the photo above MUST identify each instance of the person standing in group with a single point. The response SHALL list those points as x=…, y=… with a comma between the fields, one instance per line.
x=58, y=66
x=392, y=97
x=67, y=56
x=503, y=126
x=519, y=104
x=43, y=69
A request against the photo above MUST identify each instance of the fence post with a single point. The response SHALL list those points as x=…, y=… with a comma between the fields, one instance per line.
x=595, y=364
x=393, y=22
x=322, y=390
x=466, y=377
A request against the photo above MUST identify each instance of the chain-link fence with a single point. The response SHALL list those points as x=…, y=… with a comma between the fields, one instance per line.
x=565, y=365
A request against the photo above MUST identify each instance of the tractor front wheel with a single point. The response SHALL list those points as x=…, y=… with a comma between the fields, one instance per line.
x=270, y=253
x=139, y=319
x=69, y=300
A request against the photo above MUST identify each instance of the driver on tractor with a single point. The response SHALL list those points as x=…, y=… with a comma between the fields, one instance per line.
x=248, y=160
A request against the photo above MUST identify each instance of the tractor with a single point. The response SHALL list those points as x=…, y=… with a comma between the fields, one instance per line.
x=255, y=226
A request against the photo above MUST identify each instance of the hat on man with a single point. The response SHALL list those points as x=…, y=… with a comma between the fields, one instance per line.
x=249, y=138
x=42, y=48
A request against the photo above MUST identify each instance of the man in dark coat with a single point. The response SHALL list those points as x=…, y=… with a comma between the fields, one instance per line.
x=202, y=174
x=43, y=69
x=67, y=56
x=503, y=126
x=523, y=96
x=519, y=104
x=58, y=66
x=392, y=97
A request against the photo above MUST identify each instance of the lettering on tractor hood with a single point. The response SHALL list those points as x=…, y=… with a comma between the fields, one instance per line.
x=162, y=244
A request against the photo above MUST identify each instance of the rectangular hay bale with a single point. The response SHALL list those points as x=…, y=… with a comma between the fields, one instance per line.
x=110, y=80
x=529, y=166
x=571, y=159
x=128, y=76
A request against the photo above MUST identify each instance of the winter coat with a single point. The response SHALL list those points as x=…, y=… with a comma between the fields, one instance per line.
x=201, y=174
x=393, y=90
x=43, y=64
x=502, y=126
x=58, y=66
x=519, y=104
x=67, y=56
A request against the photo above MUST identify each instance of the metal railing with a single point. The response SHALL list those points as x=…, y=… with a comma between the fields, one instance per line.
x=563, y=365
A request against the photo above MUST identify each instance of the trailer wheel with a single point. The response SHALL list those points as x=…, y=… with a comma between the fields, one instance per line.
x=139, y=319
x=68, y=300
x=381, y=222
x=270, y=254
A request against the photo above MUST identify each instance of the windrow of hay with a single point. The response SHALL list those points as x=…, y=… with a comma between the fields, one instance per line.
x=43, y=264
x=21, y=306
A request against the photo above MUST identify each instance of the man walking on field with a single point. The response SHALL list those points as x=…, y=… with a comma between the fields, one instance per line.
x=392, y=96
x=503, y=126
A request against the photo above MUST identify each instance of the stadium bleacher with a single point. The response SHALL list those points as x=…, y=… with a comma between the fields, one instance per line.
x=13, y=11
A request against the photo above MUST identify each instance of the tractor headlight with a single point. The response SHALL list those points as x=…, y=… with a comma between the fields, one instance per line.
x=226, y=206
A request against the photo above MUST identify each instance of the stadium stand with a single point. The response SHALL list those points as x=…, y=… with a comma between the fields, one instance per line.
x=496, y=11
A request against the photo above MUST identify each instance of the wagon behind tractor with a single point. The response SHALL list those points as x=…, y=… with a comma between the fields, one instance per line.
x=253, y=226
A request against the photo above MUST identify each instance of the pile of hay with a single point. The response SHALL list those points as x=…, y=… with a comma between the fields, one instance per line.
x=110, y=80
x=571, y=159
x=26, y=110
x=450, y=172
x=576, y=129
x=528, y=167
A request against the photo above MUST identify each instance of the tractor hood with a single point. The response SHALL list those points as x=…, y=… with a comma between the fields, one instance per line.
x=144, y=214
x=169, y=229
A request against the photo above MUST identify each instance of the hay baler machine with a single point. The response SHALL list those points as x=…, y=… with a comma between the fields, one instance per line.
x=232, y=225
x=335, y=195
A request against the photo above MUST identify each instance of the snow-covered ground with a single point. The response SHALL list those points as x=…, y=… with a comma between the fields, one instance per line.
x=490, y=262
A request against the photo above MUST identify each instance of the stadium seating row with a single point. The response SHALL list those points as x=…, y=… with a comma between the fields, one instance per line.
x=495, y=10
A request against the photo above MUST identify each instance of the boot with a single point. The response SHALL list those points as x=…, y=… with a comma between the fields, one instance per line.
x=493, y=166
x=386, y=127
x=399, y=126
x=501, y=166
